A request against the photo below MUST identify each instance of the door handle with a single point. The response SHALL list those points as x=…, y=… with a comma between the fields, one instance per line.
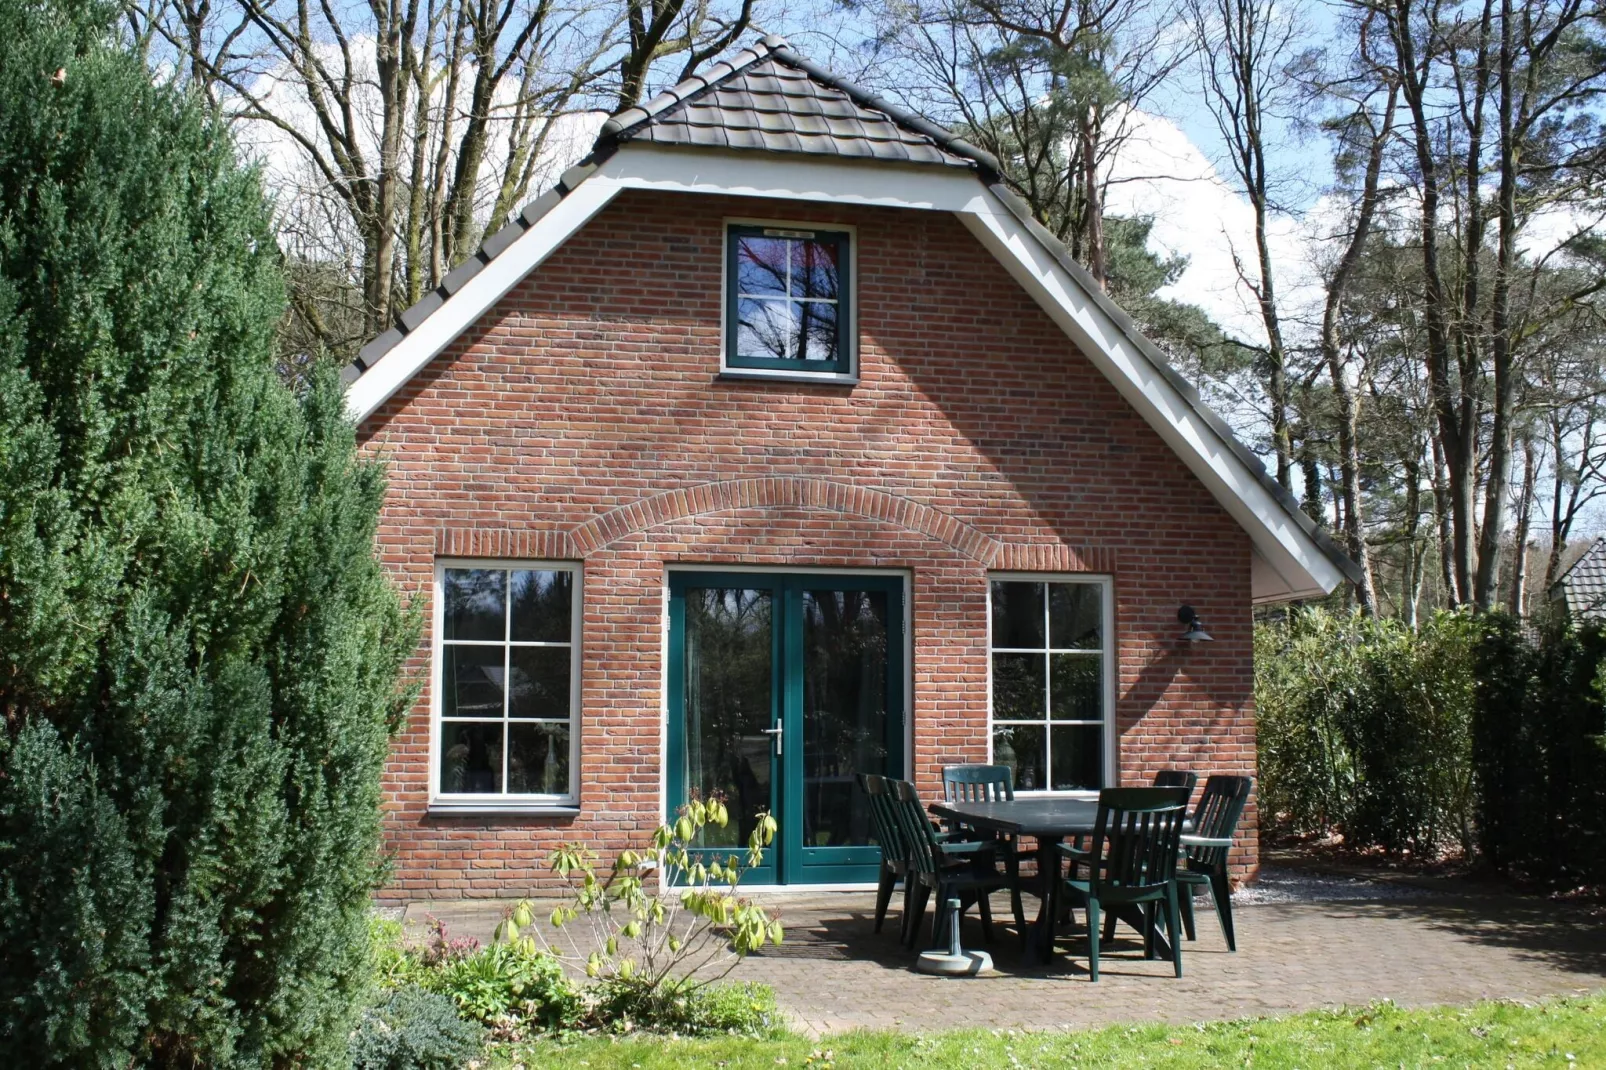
x=777, y=734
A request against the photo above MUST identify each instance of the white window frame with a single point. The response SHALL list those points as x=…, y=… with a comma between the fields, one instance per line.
x=484, y=803
x=850, y=330
x=1107, y=651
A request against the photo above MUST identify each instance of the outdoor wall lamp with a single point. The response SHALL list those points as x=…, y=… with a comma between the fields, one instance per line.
x=1195, y=632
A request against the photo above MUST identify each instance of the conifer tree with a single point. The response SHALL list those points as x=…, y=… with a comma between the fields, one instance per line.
x=199, y=653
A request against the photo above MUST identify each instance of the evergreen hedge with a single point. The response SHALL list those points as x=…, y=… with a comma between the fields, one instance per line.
x=1472, y=732
x=1539, y=746
x=199, y=654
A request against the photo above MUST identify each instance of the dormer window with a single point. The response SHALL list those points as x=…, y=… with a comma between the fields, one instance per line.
x=788, y=301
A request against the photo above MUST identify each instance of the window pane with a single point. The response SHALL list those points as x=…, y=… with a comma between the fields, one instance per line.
x=474, y=603
x=471, y=758
x=1077, y=756
x=761, y=265
x=1018, y=687
x=814, y=269
x=539, y=681
x=766, y=329
x=472, y=680
x=1074, y=692
x=729, y=703
x=542, y=601
x=1020, y=746
x=538, y=759
x=1017, y=614
x=1074, y=616
x=845, y=723
x=816, y=338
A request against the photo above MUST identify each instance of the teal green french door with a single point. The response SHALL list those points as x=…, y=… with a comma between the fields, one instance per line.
x=782, y=688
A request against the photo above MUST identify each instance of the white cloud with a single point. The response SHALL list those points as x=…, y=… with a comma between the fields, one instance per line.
x=1160, y=173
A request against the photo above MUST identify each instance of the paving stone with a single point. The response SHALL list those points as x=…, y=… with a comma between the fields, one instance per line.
x=832, y=973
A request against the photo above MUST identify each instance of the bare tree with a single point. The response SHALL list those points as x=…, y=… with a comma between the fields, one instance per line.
x=410, y=129
x=1245, y=50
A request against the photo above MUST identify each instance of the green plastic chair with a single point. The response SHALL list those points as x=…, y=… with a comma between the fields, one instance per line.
x=966, y=871
x=1132, y=861
x=894, y=850
x=1176, y=778
x=1206, y=849
x=993, y=783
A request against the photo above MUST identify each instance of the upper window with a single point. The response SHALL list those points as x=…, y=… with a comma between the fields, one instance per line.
x=1050, y=660
x=787, y=300
x=507, y=682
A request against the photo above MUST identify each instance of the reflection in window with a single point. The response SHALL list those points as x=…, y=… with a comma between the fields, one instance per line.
x=787, y=299
x=1048, y=666
x=507, y=695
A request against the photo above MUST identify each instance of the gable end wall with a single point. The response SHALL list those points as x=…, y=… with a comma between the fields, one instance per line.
x=583, y=419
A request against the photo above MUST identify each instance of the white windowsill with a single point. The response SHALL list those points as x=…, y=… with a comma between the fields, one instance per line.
x=776, y=376
x=449, y=807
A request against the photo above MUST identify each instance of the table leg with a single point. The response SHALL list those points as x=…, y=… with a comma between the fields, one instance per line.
x=1040, y=942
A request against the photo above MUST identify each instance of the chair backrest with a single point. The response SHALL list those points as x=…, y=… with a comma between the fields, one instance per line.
x=977, y=783
x=883, y=822
x=1220, y=807
x=1136, y=836
x=916, y=828
x=1176, y=778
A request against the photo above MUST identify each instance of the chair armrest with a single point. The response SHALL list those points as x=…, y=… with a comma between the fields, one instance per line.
x=963, y=848
x=1073, y=852
x=1205, y=841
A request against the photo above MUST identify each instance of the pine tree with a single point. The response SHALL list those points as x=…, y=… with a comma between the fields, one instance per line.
x=199, y=653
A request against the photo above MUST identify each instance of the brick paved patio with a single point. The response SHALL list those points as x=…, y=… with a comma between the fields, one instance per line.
x=833, y=974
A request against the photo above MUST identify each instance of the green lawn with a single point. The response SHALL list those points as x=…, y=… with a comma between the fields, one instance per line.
x=1563, y=1033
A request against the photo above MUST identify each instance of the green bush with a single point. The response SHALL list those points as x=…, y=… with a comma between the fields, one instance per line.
x=511, y=987
x=739, y=1008
x=509, y=984
x=1473, y=732
x=1539, y=733
x=1365, y=726
x=414, y=1030
x=199, y=652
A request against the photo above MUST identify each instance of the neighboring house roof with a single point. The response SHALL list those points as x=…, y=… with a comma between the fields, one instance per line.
x=768, y=122
x=1582, y=588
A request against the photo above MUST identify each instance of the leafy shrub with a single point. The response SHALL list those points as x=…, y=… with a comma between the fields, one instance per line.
x=1539, y=733
x=744, y=1009
x=414, y=1030
x=1472, y=731
x=200, y=650
x=1365, y=726
x=653, y=955
x=511, y=987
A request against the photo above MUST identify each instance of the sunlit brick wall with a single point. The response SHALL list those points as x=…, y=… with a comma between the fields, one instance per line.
x=584, y=419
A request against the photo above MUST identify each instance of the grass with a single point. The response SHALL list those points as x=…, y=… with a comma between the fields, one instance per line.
x=1562, y=1033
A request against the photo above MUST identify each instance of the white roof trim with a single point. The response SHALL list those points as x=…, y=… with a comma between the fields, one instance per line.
x=1304, y=570
x=481, y=293
x=1287, y=562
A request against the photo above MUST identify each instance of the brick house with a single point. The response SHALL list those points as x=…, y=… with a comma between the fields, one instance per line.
x=776, y=444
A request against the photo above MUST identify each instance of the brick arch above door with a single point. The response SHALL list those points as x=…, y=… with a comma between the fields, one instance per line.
x=721, y=496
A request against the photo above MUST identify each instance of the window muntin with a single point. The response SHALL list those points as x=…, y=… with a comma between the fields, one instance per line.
x=787, y=291
x=507, y=695
x=1049, y=700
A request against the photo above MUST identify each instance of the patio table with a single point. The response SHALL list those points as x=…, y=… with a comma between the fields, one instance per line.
x=1049, y=822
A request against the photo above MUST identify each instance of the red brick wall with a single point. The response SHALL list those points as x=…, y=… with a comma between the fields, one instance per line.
x=583, y=419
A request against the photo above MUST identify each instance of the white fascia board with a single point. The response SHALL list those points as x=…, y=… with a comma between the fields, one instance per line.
x=794, y=178
x=1287, y=562
x=1285, y=551
x=464, y=308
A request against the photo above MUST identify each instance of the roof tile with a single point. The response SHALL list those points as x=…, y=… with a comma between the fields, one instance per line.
x=762, y=102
